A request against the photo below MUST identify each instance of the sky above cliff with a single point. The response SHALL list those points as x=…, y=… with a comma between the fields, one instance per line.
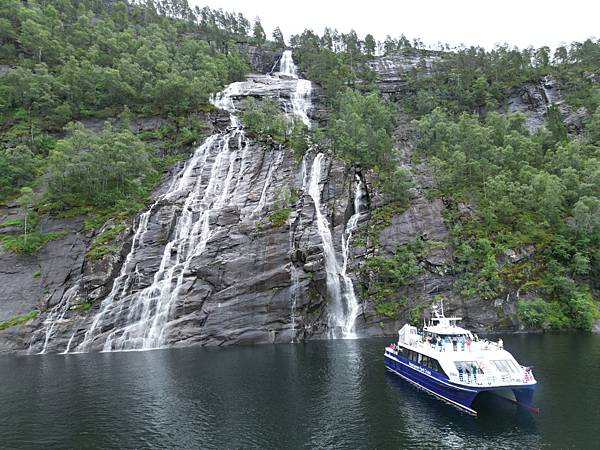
x=470, y=22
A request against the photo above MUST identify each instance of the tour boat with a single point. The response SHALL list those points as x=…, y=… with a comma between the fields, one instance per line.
x=455, y=366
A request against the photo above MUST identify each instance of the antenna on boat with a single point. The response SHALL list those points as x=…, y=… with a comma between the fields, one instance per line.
x=434, y=310
x=442, y=305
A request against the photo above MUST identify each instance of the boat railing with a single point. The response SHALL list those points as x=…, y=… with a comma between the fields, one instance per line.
x=475, y=346
x=493, y=378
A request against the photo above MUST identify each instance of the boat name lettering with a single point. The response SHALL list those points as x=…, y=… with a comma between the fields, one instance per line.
x=419, y=368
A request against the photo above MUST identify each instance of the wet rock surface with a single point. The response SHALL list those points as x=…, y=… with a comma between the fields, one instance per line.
x=29, y=282
x=256, y=280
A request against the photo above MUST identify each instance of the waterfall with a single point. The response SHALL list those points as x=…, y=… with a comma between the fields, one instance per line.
x=301, y=95
x=272, y=168
x=141, y=319
x=352, y=305
x=294, y=272
x=301, y=100
x=286, y=65
x=56, y=315
x=344, y=307
x=331, y=266
x=131, y=318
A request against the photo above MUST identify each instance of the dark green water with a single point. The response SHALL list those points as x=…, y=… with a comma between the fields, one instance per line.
x=317, y=395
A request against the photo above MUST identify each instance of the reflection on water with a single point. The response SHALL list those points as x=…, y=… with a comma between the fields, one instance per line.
x=438, y=425
x=316, y=395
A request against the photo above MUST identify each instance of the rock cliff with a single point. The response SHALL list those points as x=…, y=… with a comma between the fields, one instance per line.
x=232, y=249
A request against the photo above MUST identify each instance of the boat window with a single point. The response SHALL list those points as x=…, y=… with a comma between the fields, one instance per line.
x=425, y=361
x=513, y=366
x=505, y=366
x=435, y=365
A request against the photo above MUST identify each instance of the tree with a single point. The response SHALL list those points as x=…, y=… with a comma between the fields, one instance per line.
x=26, y=202
x=17, y=167
x=259, y=33
x=360, y=128
x=593, y=126
x=389, y=45
x=397, y=185
x=370, y=44
x=35, y=91
x=99, y=170
x=542, y=57
x=556, y=124
x=278, y=38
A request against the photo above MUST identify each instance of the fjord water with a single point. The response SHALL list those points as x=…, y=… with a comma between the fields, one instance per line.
x=328, y=394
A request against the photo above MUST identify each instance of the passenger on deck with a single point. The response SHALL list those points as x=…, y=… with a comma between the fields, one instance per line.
x=480, y=368
x=500, y=343
x=454, y=344
x=474, y=370
x=468, y=344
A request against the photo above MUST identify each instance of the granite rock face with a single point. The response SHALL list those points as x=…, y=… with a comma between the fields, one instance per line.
x=535, y=99
x=262, y=60
x=258, y=278
x=392, y=71
x=35, y=281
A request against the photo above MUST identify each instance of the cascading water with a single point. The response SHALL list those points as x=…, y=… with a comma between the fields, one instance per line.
x=294, y=272
x=331, y=266
x=352, y=305
x=56, y=315
x=344, y=306
x=286, y=64
x=301, y=102
x=301, y=95
x=263, y=194
x=131, y=318
x=141, y=319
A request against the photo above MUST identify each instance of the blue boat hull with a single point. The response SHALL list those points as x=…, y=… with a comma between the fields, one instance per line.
x=438, y=385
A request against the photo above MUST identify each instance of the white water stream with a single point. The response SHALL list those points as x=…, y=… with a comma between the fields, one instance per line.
x=343, y=304
x=207, y=183
x=131, y=318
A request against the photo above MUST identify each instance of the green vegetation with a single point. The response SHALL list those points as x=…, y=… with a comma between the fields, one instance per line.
x=280, y=216
x=29, y=243
x=18, y=166
x=389, y=308
x=533, y=224
x=263, y=119
x=87, y=58
x=530, y=190
x=286, y=198
x=266, y=123
x=102, y=244
x=98, y=169
x=387, y=274
x=83, y=307
x=334, y=61
x=360, y=129
x=416, y=314
x=381, y=218
x=18, y=320
x=77, y=60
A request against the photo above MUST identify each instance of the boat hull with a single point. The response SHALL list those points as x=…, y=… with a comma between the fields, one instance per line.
x=439, y=386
